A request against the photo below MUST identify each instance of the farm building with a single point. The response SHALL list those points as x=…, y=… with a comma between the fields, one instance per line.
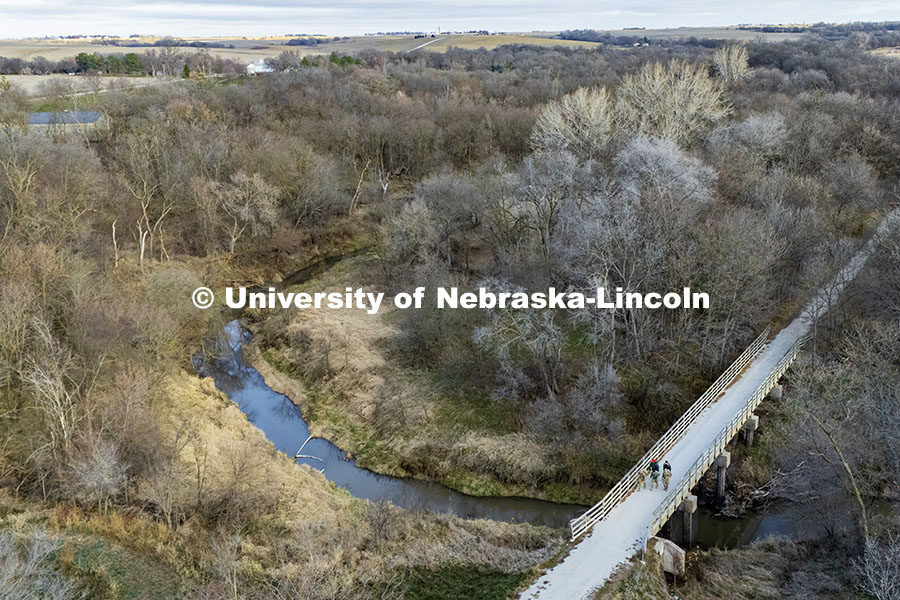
x=83, y=122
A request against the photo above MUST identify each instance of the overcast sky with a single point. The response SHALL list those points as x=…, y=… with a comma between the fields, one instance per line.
x=28, y=18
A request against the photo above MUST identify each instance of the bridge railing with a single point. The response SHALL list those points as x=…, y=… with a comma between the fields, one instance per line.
x=683, y=489
x=635, y=475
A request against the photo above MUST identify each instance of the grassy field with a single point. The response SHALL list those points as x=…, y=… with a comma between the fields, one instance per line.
x=889, y=52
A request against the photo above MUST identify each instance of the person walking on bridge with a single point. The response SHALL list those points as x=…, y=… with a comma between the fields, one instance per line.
x=654, y=474
x=667, y=475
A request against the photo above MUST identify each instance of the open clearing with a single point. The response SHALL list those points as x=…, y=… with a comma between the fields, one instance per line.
x=893, y=52
x=34, y=84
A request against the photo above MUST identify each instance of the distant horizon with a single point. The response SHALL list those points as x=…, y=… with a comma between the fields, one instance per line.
x=255, y=18
x=262, y=36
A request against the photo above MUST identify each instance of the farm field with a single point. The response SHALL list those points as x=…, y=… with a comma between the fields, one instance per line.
x=59, y=49
x=720, y=33
x=252, y=49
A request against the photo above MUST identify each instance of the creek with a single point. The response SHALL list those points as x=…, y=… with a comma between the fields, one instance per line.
x=282, y=423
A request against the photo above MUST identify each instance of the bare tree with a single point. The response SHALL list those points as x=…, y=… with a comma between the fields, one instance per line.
x=760, y=136
x=142, y=175
x=99, y=475
x=457, y=206
x=17, y=303
x=528, y=345
x=227, y=552
x=54, y=379
x=580, y=123
x=730, y=62
x=852, y=414
x=249, y=203
x=167, y=483
x=13, y=104
x=20, y=163
x=548, y=183
x=27, y=568
x=409, y=240
x=670, y=101
x=878, y=569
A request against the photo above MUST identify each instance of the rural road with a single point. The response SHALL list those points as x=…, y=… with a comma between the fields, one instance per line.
x=425, y=44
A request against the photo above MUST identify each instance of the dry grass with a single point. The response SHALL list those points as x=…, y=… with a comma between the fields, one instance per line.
x=637, y=580
x=221, y=430
x=893, y=52
x=338, y=366
x=340, y=358
x=313, y=518
x=315, y=534
x=774, y=568
x=252, y=49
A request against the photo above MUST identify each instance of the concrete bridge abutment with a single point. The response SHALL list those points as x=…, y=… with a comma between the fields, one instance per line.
x=672, y=557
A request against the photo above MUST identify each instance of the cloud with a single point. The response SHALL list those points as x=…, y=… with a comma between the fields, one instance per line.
x=273, y=17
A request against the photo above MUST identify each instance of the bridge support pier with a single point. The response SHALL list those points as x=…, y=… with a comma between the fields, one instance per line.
x=683, y=523
x=750, y=428
x=776, y=392
x=722, y=462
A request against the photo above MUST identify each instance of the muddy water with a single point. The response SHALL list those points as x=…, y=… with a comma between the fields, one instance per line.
x=783, y=519
x=282, y=423
x=778, y=520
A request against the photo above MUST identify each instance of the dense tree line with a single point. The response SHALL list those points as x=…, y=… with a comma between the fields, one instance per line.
x=313, y=41
x=167, y=62
x=163, y=42
x=865, y=35
x=610, y=39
